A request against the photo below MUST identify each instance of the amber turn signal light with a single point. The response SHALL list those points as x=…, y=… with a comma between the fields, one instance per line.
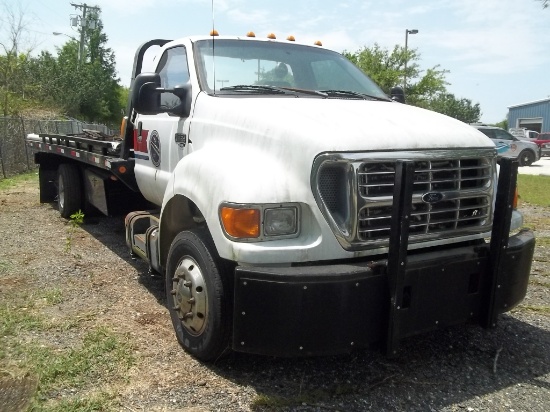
x=241, y=223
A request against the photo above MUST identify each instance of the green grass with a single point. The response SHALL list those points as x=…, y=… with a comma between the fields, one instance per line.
x=14, y=180
x=52, y=296
x=545, y=310
x=534, y=189
x=13, y=320
x=100, y=402
x=100, y=355
x=308, y=397
x=4, y=267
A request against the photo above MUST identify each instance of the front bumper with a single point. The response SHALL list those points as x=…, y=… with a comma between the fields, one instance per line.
x=330, y=309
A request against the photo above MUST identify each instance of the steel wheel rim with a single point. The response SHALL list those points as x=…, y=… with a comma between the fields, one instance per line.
x=189, y=296
x=61, y=196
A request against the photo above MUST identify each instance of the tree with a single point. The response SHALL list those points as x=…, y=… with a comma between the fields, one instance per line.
x=387, y=69
x=81, y=86
x=13, y=28
x=502, y=124
x=461, y=109
x=427, y=89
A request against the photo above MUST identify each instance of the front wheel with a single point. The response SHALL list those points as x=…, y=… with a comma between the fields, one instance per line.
x=526, y=158
x=197, y=295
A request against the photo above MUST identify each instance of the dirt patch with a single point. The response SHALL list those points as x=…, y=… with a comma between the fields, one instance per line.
x=16, y=393
x=73, y=281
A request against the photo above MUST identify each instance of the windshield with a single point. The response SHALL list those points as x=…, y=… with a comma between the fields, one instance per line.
x=231, y=66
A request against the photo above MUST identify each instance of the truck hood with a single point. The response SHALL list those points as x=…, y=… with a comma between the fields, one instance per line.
x=314, y=125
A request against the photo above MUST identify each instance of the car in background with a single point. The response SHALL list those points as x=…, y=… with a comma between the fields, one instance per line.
x=523, y=133
x=543, y=142
x=508, y=145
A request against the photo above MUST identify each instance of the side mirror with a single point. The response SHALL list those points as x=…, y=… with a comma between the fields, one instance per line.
x=398, y=94
x=183, y=92
x=145, y=95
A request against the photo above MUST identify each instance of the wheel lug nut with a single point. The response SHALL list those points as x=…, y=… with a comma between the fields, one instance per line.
x=191, y=300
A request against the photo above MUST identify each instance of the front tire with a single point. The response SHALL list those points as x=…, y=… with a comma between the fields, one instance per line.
x=69, y=190
x=526, y=158
x=197, y=295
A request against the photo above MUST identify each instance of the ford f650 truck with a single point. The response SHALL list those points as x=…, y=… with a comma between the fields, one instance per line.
x=293, y=207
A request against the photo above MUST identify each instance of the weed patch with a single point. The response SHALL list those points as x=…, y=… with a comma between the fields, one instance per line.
x=76, y=221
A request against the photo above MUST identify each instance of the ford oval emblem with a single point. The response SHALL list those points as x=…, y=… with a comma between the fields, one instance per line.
x=432, y=197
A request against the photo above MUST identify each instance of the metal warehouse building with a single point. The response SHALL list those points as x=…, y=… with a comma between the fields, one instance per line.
x=532, y=116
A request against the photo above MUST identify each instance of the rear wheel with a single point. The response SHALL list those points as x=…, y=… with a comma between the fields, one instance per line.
x=69, y=190
x=197, y=295
x=526, y=158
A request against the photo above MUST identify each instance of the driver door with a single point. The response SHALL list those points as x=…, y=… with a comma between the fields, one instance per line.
x=162, y=143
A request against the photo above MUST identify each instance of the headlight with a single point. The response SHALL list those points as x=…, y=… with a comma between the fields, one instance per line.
x=280, y=221
x=252, y=223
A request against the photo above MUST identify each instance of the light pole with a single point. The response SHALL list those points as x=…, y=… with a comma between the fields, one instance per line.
x=222, y=82
x=56, y=33
x=407, y=32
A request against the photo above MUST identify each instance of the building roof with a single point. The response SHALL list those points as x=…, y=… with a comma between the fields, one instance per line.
x=528, y=103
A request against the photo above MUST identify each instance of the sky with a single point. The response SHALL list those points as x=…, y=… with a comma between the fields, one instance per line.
x=497, y=52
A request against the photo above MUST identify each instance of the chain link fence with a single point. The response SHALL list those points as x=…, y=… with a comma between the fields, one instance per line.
x=15, y=157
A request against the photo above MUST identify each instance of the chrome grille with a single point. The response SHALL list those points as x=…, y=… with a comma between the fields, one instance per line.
x=355, y=193
x=461, y=182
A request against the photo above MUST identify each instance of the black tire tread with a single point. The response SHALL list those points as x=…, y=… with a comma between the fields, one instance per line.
x=214, y=341
x=72, y=186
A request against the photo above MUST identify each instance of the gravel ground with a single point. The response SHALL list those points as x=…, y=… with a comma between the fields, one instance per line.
x=463, y=368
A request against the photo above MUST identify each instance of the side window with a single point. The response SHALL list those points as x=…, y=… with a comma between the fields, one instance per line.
x=488, y=133
x=173, y=71
x=501, y=134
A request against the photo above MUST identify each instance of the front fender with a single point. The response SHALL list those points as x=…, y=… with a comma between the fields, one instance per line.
x=208, y=177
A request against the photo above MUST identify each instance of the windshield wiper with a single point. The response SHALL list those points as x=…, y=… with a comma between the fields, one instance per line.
x=351, y=94
x=249, y=88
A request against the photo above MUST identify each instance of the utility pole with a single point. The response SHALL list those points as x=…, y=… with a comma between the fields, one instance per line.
x=83, y=24
x=407, y=32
